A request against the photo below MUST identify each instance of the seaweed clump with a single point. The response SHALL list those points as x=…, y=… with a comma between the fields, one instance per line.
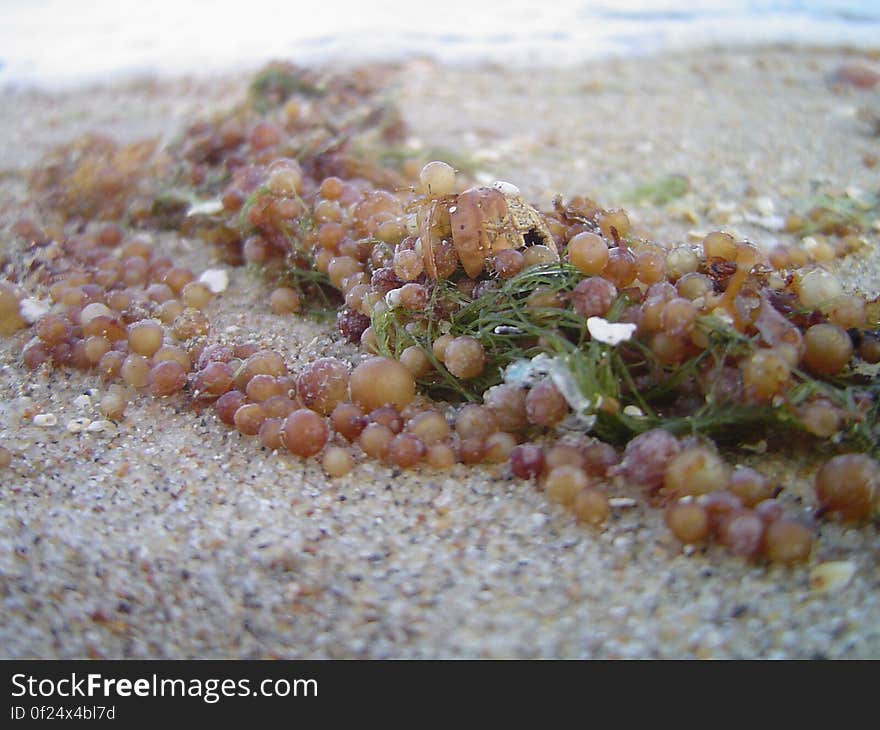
x=560, y=344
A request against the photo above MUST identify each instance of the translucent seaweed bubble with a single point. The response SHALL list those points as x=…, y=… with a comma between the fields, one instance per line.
x=525, y=373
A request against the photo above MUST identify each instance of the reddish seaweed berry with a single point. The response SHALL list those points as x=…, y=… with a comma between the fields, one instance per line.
x=527, y=461
x=646, y=456
x=304, y=432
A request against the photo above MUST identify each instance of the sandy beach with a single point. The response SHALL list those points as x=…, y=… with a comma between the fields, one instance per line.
x=167, y=535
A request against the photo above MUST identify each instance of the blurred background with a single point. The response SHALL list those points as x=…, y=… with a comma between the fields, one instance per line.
x=58, y=42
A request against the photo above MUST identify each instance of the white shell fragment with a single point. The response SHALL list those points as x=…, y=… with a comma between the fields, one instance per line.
x=832, y=576
x=215, y=279
x=45, y=420
x=767, y=222
x=856, y=194
x=32, y=309
x=611, y=333
x=765, y=205
x=206, y=207
x=505, y=187
x=621, y=502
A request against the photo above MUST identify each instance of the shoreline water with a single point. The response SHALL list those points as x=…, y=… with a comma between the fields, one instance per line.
x=174, y=537
x=53, y=45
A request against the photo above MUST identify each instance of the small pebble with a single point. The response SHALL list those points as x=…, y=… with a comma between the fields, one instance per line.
x=78, y=424
x=858, y=75
x=633, y=411
x=99, y=426
x=82, y=401
x=832, y=576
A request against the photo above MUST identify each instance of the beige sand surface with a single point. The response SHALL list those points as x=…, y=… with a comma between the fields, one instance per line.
x=170, y=536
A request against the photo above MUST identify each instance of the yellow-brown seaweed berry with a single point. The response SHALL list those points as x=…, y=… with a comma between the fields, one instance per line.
x=846, y=486
x=381, y=381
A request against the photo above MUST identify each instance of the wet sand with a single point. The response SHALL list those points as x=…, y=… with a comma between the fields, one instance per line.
x=167, y=535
